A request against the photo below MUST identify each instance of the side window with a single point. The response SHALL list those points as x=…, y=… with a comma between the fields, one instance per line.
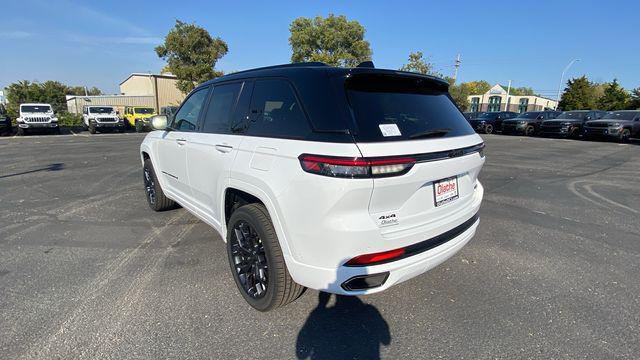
x=275, y=111
x=220, y=109
x=187, y=117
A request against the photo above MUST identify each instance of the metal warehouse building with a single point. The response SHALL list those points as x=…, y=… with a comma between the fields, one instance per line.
x=139, y=89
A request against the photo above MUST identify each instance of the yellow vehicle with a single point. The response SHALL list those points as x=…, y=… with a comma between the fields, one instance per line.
x=138, y=117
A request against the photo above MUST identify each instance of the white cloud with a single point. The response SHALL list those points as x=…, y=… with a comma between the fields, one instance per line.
x=93, y=40
x=14, y=34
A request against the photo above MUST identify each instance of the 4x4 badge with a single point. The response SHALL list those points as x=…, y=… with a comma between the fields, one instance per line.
x=388, y=220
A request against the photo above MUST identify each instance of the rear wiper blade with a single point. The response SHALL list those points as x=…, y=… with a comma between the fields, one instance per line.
x=430, y=133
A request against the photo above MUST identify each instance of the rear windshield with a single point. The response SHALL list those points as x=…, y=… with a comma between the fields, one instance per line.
x=393, y=108
x=143, y=110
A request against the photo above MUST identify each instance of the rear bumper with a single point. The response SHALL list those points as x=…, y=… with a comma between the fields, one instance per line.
x=333, y=279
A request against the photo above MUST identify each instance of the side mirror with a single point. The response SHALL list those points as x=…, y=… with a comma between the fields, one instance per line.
x=159, y=122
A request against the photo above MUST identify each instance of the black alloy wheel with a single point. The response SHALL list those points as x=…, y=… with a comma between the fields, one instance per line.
x=529, y=130
x=256, y=259
x=249, y=260
x=488, y=129
x=625, y=134
x=149, y=186
x=155, y=196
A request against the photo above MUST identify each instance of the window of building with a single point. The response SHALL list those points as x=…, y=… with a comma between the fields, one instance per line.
x=494, y=103
x=524, y=104
x=475, y=104
x=276, y=112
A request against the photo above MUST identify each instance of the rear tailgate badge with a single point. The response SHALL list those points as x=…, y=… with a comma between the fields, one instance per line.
x=388, y=220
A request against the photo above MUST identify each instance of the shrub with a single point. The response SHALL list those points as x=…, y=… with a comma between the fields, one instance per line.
x=69, y=119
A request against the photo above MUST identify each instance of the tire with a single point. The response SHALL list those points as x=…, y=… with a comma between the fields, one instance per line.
x=138, y=127
x=575, y=133
x=529, y=130
x=92, y=129
x=625, y=134
x=261, y=251
x=84, y=126
x=153, y=191
x=488, y=129
x=21, y=132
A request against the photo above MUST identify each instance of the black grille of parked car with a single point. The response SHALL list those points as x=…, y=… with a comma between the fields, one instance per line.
x=37, y=119
x=104, y=120
x=598, y=125
x=552, y=125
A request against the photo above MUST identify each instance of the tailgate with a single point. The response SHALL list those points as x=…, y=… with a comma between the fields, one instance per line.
x=410, y=199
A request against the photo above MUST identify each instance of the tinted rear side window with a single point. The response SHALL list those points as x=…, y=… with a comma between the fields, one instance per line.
x=220, y=108
x=276, y=112
x=392, y=108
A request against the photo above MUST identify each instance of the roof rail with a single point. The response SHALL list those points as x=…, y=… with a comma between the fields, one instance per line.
x=298, y=64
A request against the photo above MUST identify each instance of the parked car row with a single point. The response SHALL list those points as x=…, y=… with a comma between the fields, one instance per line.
x=620, y=125
x=95, y=118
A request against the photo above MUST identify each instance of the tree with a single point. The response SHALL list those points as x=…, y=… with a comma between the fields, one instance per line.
x=191, y=54
x=580, y=94
x=522, y=91
x=615, y=97
x=80, y=90
x=634, y=102
x=460, y=95
x=333, y=40
x=477, y=87
x=418, y=64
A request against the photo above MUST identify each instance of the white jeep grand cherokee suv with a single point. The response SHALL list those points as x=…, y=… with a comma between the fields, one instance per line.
x=37, y=116
x=343, y=180
x=101, y=118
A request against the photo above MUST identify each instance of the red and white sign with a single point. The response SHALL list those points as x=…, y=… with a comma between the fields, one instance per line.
x=445, y=190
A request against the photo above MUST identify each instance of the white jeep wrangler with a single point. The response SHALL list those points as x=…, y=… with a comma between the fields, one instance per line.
x=37, y=116
x=101, y=118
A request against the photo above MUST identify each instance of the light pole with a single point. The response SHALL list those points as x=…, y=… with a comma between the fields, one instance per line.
x=506, y=105
x=561, y=80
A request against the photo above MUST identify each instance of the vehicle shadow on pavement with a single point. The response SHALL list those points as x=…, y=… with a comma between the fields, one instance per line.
x=350, y=329
x=50, y=167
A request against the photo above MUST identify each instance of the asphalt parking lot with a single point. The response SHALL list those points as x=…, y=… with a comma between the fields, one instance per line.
x=87, y=270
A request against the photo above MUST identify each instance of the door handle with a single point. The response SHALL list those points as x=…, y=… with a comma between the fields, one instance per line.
x=224, y=148
x=181, y=141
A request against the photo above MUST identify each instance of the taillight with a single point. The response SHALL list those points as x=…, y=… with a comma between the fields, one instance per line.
x=348, y=167
x=377, y=258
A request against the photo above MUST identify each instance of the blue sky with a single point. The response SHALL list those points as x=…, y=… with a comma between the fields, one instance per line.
x=100, y=43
